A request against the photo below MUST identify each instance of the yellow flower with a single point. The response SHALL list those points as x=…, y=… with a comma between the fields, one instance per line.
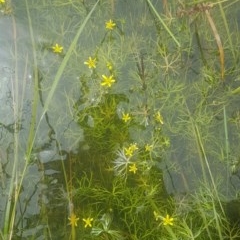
x=107, y=81
x=133, y=147
x=128, y=151
x=2, y=1
x=73, y=220
x=109, y=66
x=168, y=220
x=133, y=168
x=159, y=117
x=57, y=48
x=148, y=148
x=91, y=62
x=166, y=142
x=156, y=215
x=88, y=222
x=126, y=117
x=110, y=24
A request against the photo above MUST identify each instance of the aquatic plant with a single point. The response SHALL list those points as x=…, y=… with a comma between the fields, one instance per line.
x=125, y=125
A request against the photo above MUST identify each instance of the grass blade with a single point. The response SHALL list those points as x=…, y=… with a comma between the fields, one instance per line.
x=162, y=22
x=65, y=60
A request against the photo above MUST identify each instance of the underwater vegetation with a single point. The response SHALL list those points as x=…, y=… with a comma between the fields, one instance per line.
x=119, y=119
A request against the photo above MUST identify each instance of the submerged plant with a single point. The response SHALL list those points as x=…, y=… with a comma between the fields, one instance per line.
x=145, y=151
x=121, y=163
x=103, y=229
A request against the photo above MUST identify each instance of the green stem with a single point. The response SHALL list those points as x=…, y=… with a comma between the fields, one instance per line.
x=163, y=23
x=32, y=132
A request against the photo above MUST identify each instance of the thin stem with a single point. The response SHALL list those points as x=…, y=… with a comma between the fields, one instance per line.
x=163, y=23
